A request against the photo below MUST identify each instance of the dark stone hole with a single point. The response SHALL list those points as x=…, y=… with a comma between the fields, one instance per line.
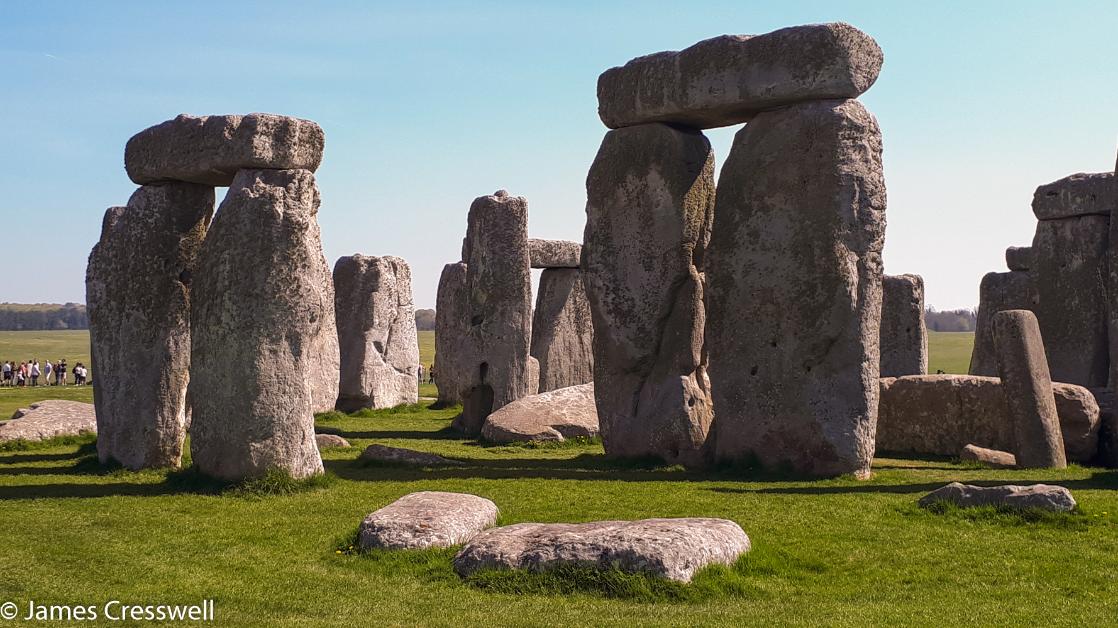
x=184, y=277
x=477, y=320
x=483, y=372
x=753, y=371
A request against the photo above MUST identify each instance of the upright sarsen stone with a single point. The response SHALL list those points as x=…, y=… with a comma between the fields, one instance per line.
x=1014, y=290
x=499, y=288
x=562, y=330
x=904, y=337
x=729, y=79
x=265, y=346
x=650, y=194
x=376, y=333
x=1071, y=276
x=1028, y=390
x=794, y=290
x=138, y=297
x=451, y=329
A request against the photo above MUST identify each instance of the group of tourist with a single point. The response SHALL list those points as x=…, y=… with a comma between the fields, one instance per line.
x=426, y=375
x=29, y=373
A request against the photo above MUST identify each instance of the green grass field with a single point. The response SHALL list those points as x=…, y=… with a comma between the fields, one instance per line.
x=949, y=351
x=835, y=552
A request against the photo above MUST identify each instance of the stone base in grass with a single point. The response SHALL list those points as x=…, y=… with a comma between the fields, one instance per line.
x=427, y=519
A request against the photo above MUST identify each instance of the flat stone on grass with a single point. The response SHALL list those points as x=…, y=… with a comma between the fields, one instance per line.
x=325, y=441
x=427, y=519
x=400, y=455
x=552, y=416
x=669, y=548
x=50, y=419
x=1034, y=496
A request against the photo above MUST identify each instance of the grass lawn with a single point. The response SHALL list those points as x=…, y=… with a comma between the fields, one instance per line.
x=949, y=351
x=835, y=552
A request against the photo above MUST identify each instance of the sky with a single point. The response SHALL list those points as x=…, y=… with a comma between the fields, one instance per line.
x=427, y=105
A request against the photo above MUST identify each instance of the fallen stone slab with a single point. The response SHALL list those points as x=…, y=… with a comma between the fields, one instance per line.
x=941, y=414
x=1034, y=496
x=325, y=441
x=989, y=457
x=211, y=149
x=427, y=519
x=1019, y=257
x=554, y=253
x=50, y=419
x=400, y=455
x=729, y=79
x=669, y=548
x=552, y=416
x=1081, y=194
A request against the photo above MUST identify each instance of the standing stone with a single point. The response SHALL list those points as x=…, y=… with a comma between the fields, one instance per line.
x=650, y=197
x=1019, y=257
x=211, y=149
x=904, y=337
x=1028, y=390
x=998, y=292
x=451, y=328
x=265, y=345
x=499, y=288
x=562, y=330
x=729, y=79
x=1071, y=276
x=795, y=290
x=376, y=333
x=138, y=295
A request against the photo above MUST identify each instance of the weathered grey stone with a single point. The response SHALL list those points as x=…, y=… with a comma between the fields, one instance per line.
x=668, y=548
x=1028, y=390
x=562, y=330
x=533, y=376
x=729, y=79
x=138, y=299
x=452, y=323
x=495, y=358
x=989, y=457
x=650, y=197
x=556, y=415
x=264, y=350
x=427, y=519
x=325, y=441
x=211, y=149
x=904, y=337
x=794, y=297
x=997, y=292
x=402, y=456
x=376, y=333
x=1082, y=194
x=554, y=253
x=1034, y=496
x=1071, y=280
x=1108, y=427
x=49, y=419
x=941, y=414
x=1019, y=257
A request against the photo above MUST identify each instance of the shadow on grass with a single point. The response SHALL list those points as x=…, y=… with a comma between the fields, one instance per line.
x=447, y=433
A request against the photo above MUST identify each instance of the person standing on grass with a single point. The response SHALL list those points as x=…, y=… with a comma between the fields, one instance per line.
x=35, y=372
x=47, y=370
x=60, y=369
x=419, y=373
x=7, y=377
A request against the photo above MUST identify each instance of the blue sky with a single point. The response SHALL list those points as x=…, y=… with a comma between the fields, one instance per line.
x=428, y=105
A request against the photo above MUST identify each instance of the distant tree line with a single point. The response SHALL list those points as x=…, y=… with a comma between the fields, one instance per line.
x=425, y=320
x=41, y=316
x=20, y=317
x=949, y=320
